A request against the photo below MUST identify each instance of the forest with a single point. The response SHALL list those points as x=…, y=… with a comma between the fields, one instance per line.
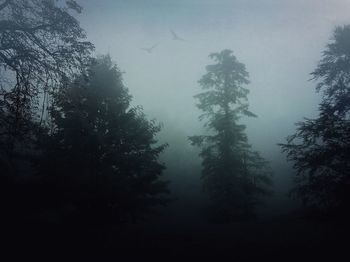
x=218, y=127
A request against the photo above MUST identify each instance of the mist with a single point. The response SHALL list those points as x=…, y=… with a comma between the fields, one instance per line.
x=143, y=62
x=280, y=42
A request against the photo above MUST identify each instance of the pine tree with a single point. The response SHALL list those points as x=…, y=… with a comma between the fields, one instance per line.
x=233, y=174
x=320, y=147
x=101, y=159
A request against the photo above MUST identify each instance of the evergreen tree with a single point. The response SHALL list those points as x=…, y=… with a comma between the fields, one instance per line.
x=101, y=159
x=320, y=148
x=233, y=174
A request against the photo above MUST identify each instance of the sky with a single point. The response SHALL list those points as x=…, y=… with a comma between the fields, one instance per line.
x=279, y=41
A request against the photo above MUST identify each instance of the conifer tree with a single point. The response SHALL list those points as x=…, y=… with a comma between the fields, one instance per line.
x=233, y=174
x=101, y=159
x=320, y=147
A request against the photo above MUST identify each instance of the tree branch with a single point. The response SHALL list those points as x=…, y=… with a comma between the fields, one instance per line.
x=7, y=61
x=9, y=25
x=4, y=4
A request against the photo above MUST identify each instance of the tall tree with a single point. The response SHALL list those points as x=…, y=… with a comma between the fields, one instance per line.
x=320, y=147
x=41, y=43
x=102, y=157
x=40, y=40
x=233, y=174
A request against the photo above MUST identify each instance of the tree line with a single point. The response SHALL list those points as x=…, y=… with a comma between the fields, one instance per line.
x=72, y=145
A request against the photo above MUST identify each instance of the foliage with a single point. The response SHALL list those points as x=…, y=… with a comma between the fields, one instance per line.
x=320, y=148
x=40, y=39
x=233, y=174
x=101, y=159
x=41, y=43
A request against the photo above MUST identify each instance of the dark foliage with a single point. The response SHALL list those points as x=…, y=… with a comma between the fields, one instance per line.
x=41, y=43
x=233, y=175
x=100, y=161
x=320, y=148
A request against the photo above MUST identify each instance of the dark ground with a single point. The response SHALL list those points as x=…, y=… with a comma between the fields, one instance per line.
x=182, y=230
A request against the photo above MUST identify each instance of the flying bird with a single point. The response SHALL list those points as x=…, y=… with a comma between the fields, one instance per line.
x=149, y=49
x=175, y=36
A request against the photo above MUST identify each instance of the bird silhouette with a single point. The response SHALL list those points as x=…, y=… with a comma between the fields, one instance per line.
x=175, y=36
x=149, y=49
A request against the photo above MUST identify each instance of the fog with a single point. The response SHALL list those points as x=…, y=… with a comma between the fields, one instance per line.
x=83, y=166
x=280, y=42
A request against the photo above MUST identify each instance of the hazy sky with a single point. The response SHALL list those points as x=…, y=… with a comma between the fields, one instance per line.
x=279, y=41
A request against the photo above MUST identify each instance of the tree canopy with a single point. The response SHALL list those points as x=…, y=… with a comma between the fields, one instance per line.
x=40, y=39
x=320, y=147
x=233, y=174
x=41, y=43
x=102, y=155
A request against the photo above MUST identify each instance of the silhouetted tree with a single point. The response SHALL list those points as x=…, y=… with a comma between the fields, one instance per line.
x=320, y=148
x=41, y=43
x=101, y=159
x=233, y=174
